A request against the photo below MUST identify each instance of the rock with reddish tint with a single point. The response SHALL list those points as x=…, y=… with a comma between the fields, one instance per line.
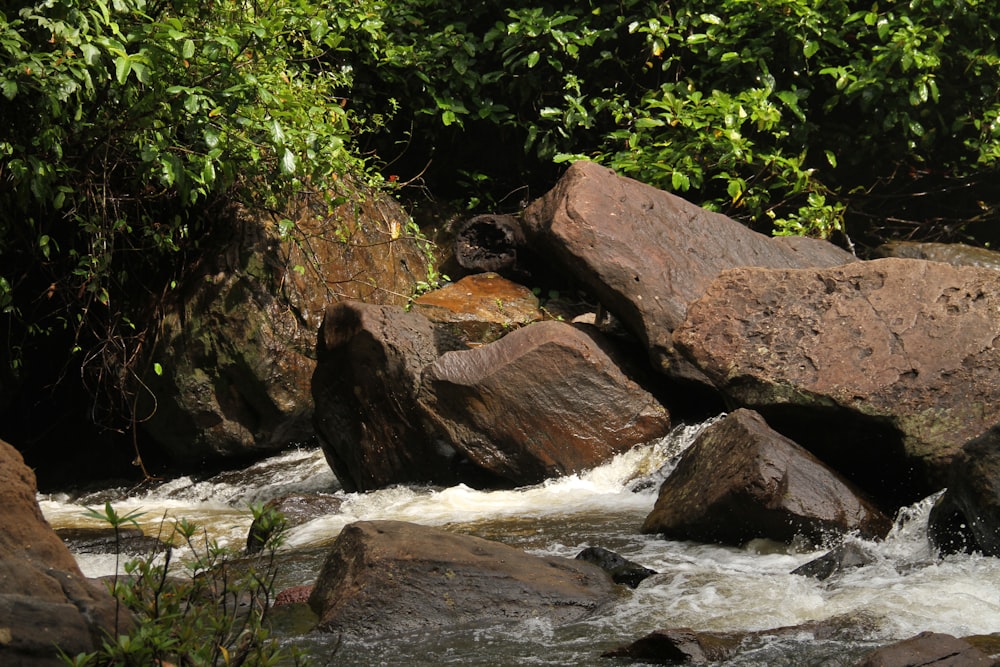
x=386, y=578
x=879, y=367
x=480, y=308
x=236, y=346
x=368, y=422
x=546, y=400
x=741, y=480
x=46, y=603
x=646, y=254
x=293, y=595
x=928, y=648
x=966, y=518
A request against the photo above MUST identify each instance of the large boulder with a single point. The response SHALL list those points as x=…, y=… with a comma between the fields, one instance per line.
x=967, y=516
x=370, y=363
x=881, y=368
x=740, y=480
x=545, y=400
x=388, y=577
x=646, y=254
x=46, y=603
x=236, y=349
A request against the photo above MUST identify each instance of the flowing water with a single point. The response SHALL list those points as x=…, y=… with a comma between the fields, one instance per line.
x=906, y=590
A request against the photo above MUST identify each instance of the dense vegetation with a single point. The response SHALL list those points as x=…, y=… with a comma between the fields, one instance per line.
x=129, y=126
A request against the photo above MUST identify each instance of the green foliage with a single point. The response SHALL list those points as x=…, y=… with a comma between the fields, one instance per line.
x=788, y=115
x=126, y=128
x=209, y=611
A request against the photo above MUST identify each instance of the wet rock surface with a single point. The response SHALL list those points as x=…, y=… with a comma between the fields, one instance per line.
x=390, y=577
x=741, y=480
x=622, y=570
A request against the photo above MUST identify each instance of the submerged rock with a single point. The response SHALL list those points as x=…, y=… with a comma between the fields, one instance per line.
x=740, y=480
x=390, y=578
x=845, y=556
x=685, y=646
x=884, y=369
x=622, y=570
x=646, y=254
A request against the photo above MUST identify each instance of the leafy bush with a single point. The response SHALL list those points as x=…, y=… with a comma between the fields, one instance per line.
x=787, y=115
x=128, y=127
x=210, y=611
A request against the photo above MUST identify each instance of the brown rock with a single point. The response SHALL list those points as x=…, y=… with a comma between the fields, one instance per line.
x=390, y=577
x=890, y=364
x=928, y=648
x=646, y=254
x=480, y=308
x=740, y=480
x=367, y=419
x=237, y=345
x=45, y=601
x=543, y=401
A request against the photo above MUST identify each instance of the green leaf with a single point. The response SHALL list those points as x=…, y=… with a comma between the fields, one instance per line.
x=187, y=51
x=288, y=163
x=157, y=368
x=122, y=68
x=533, y=59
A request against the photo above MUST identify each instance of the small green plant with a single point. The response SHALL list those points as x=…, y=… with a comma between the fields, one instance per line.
x=210, y=610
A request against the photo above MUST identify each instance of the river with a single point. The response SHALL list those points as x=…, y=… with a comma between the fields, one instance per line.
x=906, y=590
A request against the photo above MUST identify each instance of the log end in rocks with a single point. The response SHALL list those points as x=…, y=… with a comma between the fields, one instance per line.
x=489, y=243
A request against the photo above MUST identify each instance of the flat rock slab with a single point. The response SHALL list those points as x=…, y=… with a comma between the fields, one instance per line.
x=391, y=577
x=740, y=480
x=646, y=254
x=910, y=346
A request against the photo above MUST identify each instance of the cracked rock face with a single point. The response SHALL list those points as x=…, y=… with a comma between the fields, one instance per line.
x=900, y=353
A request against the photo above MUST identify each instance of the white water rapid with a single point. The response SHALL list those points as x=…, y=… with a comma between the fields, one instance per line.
x=907, y=590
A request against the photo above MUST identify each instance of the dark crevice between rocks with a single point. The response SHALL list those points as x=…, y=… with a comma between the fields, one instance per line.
x=868, y=451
